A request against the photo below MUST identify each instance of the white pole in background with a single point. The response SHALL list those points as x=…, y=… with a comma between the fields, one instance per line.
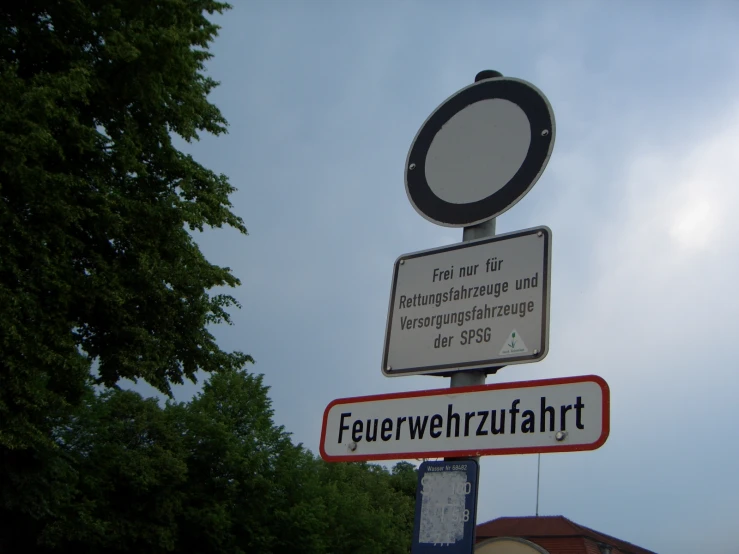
x=538, y=472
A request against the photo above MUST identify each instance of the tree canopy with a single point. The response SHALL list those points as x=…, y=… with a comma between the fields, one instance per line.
x=101, y=280
x=97, y=260
x=215, y=474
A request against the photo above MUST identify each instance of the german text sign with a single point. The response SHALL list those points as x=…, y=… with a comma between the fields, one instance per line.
x=470, y=305
x=552, y=415
x=446, y=500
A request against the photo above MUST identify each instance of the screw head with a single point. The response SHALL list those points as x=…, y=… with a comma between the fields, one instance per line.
x=545, y=132
x=402, y=262
x=352, y=446
x=560, y=435
x=539, y=234
x=412, y=167
x=389, y=368
x=536, y=351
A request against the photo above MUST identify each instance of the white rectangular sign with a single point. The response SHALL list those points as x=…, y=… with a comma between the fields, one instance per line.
x=552, y=415
x=470, y=305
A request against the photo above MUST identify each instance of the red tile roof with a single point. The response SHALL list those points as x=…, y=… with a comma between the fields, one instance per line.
x=549, y=527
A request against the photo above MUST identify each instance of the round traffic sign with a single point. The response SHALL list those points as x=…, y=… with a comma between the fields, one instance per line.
x=479, y=152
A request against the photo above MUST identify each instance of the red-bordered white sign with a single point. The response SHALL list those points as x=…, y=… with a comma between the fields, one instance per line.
x=552, y=415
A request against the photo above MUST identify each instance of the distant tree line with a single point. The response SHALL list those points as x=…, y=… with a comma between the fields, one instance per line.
x=211, y=475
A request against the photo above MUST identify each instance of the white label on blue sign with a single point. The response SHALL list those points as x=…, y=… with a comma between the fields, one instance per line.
x=443, y=512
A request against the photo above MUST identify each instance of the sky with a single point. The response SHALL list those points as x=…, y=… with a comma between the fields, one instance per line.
x=324, y=98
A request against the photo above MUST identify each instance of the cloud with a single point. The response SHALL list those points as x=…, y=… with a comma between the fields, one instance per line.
x=656, y=317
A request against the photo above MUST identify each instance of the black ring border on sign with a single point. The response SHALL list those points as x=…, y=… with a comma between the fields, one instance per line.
x=540, y=117
x=476, y=365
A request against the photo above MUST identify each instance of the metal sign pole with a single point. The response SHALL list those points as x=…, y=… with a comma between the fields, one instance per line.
x=469, y=378
x=480, y=231
x=469, y=162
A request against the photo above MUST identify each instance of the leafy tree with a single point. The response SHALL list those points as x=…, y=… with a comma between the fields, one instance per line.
x=98, y=268
x=97, y=206
x=130, y=465
x=215, y=474
x=405, y=479
x=251, y=490
x=97, y=263
x=31, y=497
x=113, y=482
x=366, y=514
x=233, y=453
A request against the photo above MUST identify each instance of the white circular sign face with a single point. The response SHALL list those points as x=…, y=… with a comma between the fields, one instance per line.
x=470, y=159
x=480, y=152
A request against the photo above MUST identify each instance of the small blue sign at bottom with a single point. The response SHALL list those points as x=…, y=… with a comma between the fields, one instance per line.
x=446, y=501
